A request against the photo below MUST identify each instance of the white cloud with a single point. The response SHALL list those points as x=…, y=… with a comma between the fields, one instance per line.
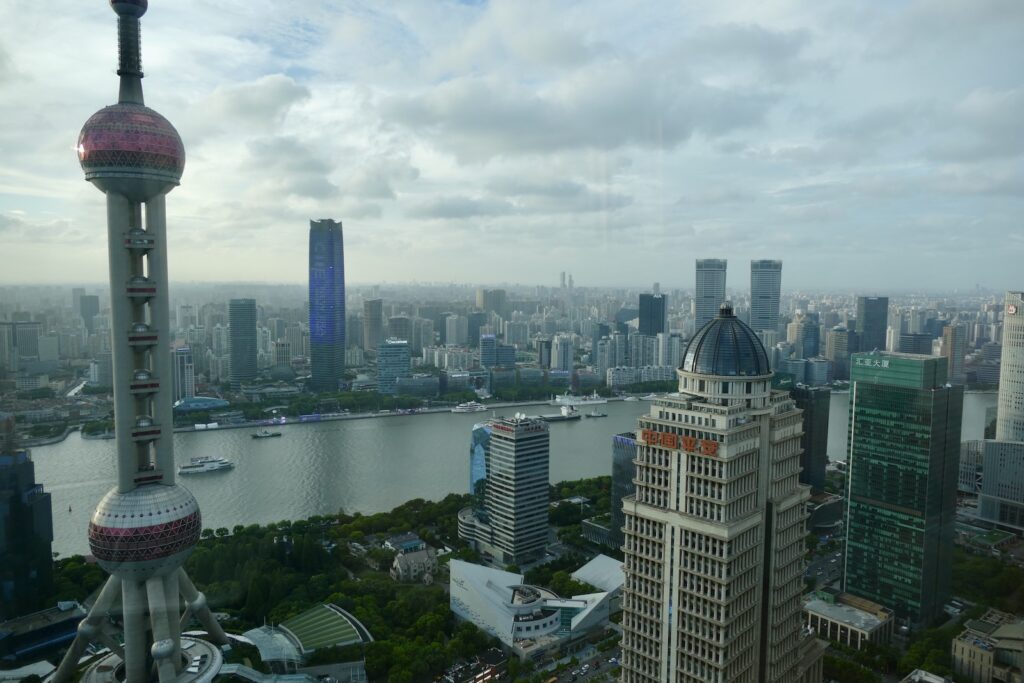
x=583, y=135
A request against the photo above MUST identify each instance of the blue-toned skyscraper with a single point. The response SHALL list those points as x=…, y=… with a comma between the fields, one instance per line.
x=326, y=304
x=478, y=454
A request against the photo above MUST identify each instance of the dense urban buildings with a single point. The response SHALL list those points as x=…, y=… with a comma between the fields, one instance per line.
x=243, y=341
x=513, y=526
x=326, y=304
x=872, y=322
x=714, y=534
x=765, y=294
x=144, y=528
x=904, y=445
x=1010, y=415
x=709, y=290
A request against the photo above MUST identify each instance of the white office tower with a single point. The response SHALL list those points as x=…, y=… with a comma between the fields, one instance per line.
x=1010, y=413
x=710, y=290
x=765, y=291
x=714, y=534
x=513, y=526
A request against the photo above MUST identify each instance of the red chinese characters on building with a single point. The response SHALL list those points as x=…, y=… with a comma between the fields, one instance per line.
x=690, y=444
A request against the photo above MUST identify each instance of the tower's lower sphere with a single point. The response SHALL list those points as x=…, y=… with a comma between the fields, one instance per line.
x=148, y=531
x=131, y=150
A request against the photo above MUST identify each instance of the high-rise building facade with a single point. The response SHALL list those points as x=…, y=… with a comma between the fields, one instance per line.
x=478, y=445
x=373, y=324
x=653, y=318
x=242, y=341
x=26, y=531
x=765, y=293
x=562, y=352
x=488, y=351
x=954, y=348
x=456, y=330
x=872, y=322
x=814, y=402
x=714, y=534
x=512, y=527
x=916, y=343
x=517, y=487
x=904, y=446
x=1010, y=415
x=326, y=304
x=840, y=343
x=710, y=290
x=184, y=369
x=623, y=473
x=88, y=308
x=144, y=528
x=393, y=362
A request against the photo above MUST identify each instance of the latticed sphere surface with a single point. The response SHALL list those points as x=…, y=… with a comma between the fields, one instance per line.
x=146, y=532
x=131, y=149
x=130, y=8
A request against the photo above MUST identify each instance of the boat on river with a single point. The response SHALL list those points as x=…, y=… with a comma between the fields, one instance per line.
x=205, y=464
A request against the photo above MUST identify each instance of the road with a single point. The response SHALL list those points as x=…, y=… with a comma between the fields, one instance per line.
x=826, y=568
x=598, y=667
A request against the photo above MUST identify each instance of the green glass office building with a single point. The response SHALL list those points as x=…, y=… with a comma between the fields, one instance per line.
x=904, y=443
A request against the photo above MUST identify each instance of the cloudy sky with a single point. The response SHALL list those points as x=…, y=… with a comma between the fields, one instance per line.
x=867, y=144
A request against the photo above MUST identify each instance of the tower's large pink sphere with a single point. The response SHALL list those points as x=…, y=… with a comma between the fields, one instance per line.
x=148, y=531
x=131, y=150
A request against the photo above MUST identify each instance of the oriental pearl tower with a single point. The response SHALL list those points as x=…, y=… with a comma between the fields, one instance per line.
x=145, y=527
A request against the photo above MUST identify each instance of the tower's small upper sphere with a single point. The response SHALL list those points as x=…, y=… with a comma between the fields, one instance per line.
x=148, y=531
x=129, y=8
x=726, y=346
x=131, y=150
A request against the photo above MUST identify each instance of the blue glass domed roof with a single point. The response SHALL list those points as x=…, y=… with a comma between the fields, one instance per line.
x=726, y=346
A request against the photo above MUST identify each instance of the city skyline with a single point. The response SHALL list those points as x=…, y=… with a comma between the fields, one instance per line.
x=409, y=129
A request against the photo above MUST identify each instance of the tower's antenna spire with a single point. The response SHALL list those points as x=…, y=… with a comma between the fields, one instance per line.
x=129, y=48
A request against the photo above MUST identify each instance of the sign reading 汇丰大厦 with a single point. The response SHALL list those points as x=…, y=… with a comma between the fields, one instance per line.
x=871, y=362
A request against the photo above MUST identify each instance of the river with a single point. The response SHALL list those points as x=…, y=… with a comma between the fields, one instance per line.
x=368, y=465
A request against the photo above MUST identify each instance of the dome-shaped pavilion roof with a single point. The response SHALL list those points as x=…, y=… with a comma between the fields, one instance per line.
x=726, y=346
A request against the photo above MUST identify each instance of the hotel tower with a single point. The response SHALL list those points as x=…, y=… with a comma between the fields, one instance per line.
x=714, y=535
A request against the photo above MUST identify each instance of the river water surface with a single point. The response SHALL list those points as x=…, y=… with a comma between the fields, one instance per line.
x=364, y=465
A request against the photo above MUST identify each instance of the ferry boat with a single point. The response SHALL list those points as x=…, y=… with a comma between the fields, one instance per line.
x=471, y=407
x=205, y=464
x=631, y=399
x=265, y=434
x=567, y=413
x=568, y=399
x=594, y=413
x=649, y=397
